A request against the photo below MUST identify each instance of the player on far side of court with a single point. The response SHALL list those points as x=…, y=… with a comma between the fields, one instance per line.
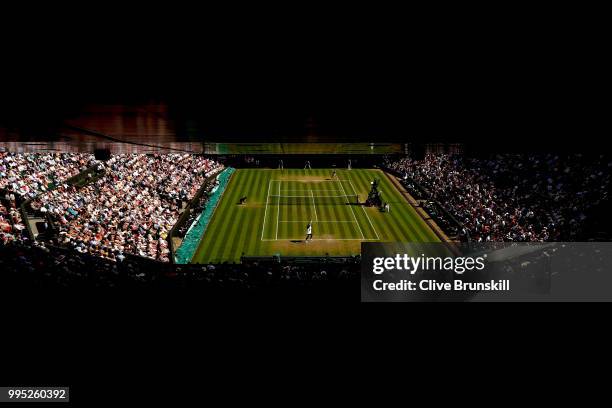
x=334, y=175
x=349, y=164
x=308, y=232
x=281, y=165
x=307, y=165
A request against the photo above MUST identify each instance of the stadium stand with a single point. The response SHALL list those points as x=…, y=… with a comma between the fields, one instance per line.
x=110, y=222
x=512, y=197
x=130, y=208
x=28, y=175
x=39, y=265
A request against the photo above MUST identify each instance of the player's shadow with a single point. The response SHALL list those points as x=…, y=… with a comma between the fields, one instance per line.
x=296, y=241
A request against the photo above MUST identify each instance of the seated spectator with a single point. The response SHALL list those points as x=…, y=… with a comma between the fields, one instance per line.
x=28, y=175
x=131, y=208
x=513, y=197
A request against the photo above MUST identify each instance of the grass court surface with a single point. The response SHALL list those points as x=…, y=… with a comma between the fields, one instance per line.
x=280, y=203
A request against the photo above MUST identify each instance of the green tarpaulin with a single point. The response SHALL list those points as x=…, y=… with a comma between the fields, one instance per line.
x=192, y=239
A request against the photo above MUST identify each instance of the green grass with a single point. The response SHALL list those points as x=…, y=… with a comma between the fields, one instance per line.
x=263, y=227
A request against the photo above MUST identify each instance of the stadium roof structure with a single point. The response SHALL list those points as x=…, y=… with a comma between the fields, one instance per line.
x=159, y=127
x=359, y=148
x=282, y=126
x=121, y=128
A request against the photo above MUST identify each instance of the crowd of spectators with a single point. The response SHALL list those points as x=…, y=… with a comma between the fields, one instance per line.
x=126, y=207
x=130, y=208
x=28, y=175
x=196, y=209
x=129, y=204
x=513, y=197
x=11, y=224
x=40, y=265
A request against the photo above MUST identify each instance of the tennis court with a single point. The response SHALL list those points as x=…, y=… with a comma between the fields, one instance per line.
x=280, y=204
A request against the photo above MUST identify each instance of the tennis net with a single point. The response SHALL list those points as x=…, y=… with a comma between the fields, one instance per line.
x=310, y=199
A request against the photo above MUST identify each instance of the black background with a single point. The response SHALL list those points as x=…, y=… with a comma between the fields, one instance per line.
x=506, y=79
x=499, y=84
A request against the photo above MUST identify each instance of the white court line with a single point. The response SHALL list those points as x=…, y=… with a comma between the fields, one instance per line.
x=278, y=212
x=320, y=221
x=353, y=211
x=321, y=239
x=301, y=189
x=263, y=228
x=308, y=196
x=365, y=212
x=312, y=181
x=278, y=221
x=314, y=205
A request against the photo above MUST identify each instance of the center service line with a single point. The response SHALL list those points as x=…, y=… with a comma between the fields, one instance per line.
x=314, y=205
